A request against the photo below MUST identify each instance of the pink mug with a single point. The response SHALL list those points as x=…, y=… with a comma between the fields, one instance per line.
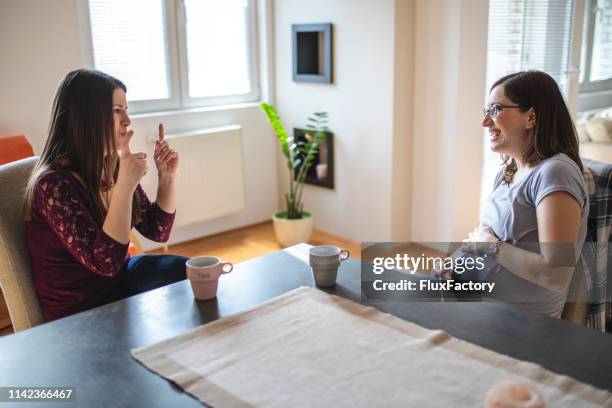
x=203, y=272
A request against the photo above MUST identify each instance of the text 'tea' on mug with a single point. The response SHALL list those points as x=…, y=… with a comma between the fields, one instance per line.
x=203, y=273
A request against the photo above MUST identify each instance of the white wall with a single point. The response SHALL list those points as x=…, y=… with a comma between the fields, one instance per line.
x=360, y=106
x=40, y=43
x=450, y=65
x=405, y=109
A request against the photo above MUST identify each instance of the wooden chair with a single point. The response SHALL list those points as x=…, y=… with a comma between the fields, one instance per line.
x=16, y=280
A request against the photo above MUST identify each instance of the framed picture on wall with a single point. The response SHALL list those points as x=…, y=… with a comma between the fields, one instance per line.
x=312, y=52
x=321, y=172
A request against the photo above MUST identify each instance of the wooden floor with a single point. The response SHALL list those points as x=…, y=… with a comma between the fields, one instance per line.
x=242, y=244
x=249, y=242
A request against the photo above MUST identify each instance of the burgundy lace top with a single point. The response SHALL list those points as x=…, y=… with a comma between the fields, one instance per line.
x=76, y=265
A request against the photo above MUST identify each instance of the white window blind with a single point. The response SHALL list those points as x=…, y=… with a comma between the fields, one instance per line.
x=596, y=64
x=524, y=35
x=529, y=34
x=175, y=54
x=130, y=42
x=217, y=52
x=596, y=56
x=601, y=65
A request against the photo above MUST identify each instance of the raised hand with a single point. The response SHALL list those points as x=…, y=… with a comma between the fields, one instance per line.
x=132, y=166
x=166, y=159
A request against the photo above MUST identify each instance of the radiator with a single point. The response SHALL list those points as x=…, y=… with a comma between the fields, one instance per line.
x=210, y=181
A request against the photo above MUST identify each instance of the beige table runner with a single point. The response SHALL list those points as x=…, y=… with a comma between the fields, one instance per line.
x=308, y=348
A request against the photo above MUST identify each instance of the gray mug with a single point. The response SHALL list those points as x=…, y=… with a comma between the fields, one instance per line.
x=324, y=262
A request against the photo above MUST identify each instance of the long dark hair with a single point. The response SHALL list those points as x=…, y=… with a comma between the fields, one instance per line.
x=81, y=138
x=554, y=129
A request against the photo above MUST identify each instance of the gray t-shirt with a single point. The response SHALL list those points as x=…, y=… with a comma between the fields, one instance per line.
x=511, y=213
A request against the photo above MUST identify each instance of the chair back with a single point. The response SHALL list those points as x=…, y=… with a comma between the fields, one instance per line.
x=595, y=273
x=16, y=280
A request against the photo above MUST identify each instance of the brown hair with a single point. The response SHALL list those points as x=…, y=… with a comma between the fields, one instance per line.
x=80, y=132
x=554, y=130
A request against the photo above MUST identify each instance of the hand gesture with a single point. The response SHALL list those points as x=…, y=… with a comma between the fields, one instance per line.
x=132, y=166
x=166, y=159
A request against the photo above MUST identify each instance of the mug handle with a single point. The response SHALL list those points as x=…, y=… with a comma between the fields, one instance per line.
x=223, y=271
x=344, y=254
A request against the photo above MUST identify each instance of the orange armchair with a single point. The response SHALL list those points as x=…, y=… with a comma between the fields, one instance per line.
x=14, y=147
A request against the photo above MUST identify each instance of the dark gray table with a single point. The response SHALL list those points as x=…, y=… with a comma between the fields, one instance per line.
x=91, y=350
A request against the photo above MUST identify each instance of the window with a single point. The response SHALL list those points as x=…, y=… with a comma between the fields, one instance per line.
x=174, y=54
x=132, y=49
x=596, y=61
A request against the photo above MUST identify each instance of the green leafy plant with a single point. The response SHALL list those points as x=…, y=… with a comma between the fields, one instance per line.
x=299, y=154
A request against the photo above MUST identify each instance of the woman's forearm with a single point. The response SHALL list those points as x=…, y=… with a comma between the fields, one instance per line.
x=552, y=268
x=166, y=194
x=118, y=221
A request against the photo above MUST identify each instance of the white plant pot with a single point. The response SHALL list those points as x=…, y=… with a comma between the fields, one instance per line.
x=292, y=232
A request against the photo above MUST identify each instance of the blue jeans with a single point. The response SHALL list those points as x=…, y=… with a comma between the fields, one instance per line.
x=147, y=272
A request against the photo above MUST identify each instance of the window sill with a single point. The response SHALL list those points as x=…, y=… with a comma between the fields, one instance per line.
x=589, y=101
x=217, y=108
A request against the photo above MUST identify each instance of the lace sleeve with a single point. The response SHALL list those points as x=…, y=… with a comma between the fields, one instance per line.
x=155, y=224
x=63, y=207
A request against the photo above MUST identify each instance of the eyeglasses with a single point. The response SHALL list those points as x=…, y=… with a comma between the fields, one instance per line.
x=495, y=109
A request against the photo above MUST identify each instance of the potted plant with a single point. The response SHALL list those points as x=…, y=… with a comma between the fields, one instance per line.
x=294, y=225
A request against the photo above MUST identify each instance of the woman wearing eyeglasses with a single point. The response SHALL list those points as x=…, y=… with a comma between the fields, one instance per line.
x=534, y=223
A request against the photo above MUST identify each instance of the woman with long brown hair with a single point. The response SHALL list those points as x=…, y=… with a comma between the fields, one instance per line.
x=534, y=223
x=84, y=197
